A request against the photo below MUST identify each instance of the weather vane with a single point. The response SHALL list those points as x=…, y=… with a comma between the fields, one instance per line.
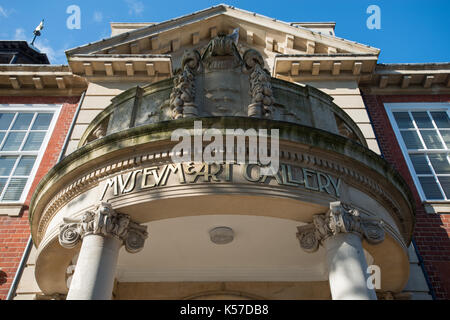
x=37, y=31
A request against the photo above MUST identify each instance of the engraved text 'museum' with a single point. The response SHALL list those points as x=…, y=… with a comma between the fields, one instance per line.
x=190, y=173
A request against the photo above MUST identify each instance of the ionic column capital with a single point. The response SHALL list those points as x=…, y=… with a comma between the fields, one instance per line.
x=103, y=221
x=341, y=218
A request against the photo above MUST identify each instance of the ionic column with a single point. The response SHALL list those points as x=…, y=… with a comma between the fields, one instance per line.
x=341, y=231
x=102, y=233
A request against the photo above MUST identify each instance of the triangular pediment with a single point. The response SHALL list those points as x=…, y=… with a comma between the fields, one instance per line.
x=269, y=36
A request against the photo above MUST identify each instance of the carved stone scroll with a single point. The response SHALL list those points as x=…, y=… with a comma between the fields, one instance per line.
x=106, y=222
x=182, y=98
x=260, y=86
x=339, y=219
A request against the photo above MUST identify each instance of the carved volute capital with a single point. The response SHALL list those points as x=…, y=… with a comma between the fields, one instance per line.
x=339, y=219
x=106, y=222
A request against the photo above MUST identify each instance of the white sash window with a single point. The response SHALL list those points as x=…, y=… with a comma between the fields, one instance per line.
x=423, y=132
x=24, y=134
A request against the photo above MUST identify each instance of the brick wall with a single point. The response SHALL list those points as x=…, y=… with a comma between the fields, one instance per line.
x=432, y=232
x=15, y=231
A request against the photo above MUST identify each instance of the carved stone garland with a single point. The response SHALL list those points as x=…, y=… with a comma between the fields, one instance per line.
x=260, y=86
x=339, y=219
x=106, y=222
x=182, y=98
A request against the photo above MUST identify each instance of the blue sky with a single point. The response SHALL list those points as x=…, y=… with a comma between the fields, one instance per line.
x=411, y=30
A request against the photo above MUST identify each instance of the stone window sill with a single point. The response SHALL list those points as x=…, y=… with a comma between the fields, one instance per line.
x=10, y=209
x=437, y=207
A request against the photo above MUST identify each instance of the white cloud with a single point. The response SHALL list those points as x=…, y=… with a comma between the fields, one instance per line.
x=55, y=56
x=98, y=16
x=135, y=7
x=20, y=34
x=4, y=12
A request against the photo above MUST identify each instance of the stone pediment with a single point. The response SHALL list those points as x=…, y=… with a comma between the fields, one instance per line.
x=194, y=31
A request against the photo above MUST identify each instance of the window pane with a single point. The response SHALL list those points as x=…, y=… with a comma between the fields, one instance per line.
x=6, y=164
x=422, y=119
x=23, y=121
x=403, y=120
x=440, y=163
x=2, y=135
x=14, y=189
x=24, y=166
x=441, y=119
x=5, y=120
x=412, y=140
x=34, y=141
x=430, y=188
x=13, y=141
x=445, y=184
x=420, y=164
x=42, y=121
x=2, y=184
x=446, y=136
x=431, y=139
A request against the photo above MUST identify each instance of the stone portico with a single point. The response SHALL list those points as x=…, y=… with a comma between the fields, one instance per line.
x=310, y=231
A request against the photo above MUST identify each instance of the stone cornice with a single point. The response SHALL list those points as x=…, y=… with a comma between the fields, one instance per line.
x=44, y=80
x=332, y=66
x=133, y=38
x=128, y=67
x=420, y=78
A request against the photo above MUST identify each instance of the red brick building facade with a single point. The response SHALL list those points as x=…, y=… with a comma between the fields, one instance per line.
x=432, y=231
x=15, y=231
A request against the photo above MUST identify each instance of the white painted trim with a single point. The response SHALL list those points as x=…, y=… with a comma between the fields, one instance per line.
x=422, y=106
x=55, y=109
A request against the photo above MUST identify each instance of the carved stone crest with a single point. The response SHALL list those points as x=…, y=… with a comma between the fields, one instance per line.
x=106, y=222
x=217, y=82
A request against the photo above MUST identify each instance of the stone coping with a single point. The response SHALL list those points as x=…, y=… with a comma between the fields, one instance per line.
x=149, y=89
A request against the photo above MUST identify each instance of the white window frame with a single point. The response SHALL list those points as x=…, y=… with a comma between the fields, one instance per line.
x=55, y=109
x=416, y=107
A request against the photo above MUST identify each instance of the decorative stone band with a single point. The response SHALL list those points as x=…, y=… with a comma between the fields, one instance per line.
x=339, y=219
x=106, y=222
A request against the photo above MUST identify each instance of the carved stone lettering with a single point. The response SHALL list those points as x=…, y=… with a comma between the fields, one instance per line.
x=196, y=172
